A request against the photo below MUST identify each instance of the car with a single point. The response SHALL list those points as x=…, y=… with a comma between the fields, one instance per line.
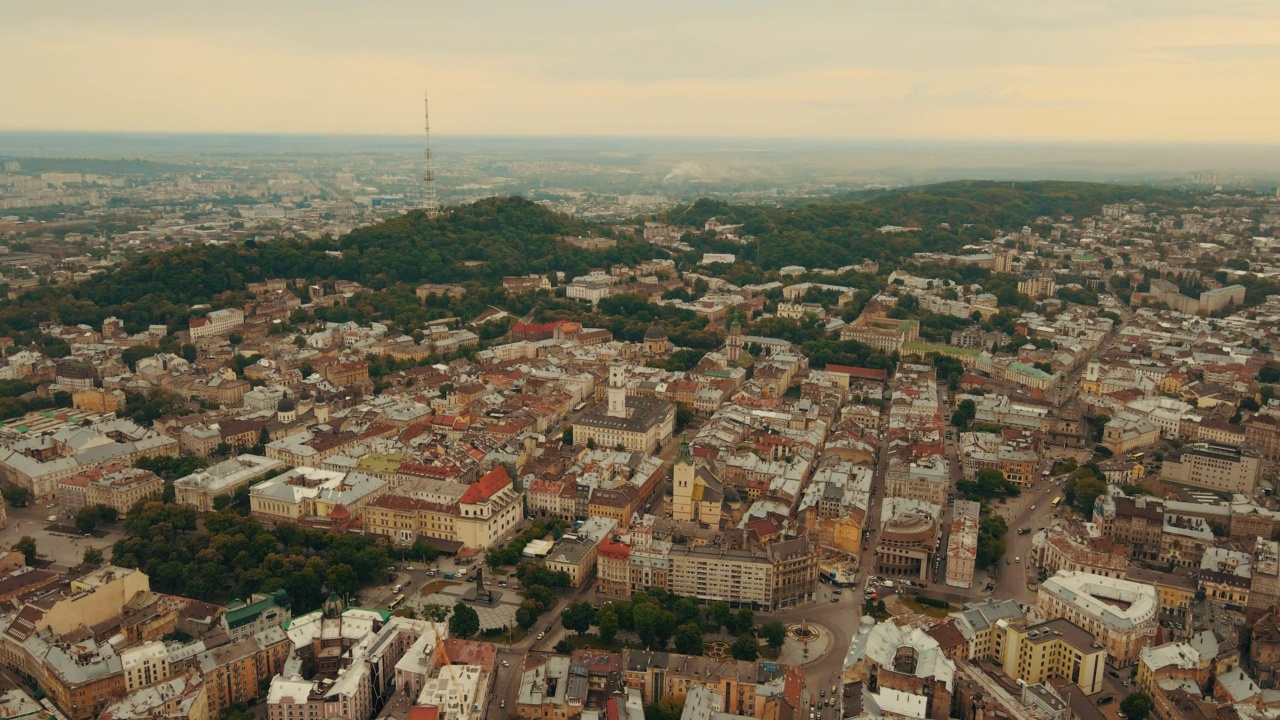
x=813, y=703
x=506, y=664
x=409, y=568
x=835, y=599
x=1007, y=561
x=1106, y=699
x=1017, y=559
x=502, y=704
x=542, y=634
x=502, y=583
x=1033, y=507
x=822, y=693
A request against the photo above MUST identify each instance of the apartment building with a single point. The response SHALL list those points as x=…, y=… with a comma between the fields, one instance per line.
x=1228, y=469
x=1120, y=614
x=218, y=322
x=1033, y=653
x=781, y=574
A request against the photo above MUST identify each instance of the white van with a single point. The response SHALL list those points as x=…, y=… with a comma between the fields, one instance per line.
x=397, y=588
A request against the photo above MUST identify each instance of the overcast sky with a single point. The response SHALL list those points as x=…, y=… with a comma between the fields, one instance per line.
x=1079, y=70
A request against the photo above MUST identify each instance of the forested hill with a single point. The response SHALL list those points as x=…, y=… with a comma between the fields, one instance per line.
x=834, y=233
x=488, y=239
x=482, y=241
x=491, y=238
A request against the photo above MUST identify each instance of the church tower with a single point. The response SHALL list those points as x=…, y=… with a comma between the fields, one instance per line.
x=733, y=346
x=683, y=485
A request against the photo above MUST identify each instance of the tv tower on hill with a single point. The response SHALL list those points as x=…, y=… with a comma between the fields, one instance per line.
x=430, y=203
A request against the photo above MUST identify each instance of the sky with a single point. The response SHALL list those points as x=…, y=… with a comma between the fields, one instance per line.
x=970, y=70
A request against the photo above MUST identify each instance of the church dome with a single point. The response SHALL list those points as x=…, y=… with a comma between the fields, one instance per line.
x=655, y=333
x=286, y=405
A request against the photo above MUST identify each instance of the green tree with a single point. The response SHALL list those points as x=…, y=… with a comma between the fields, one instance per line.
x=668, y=707
x=1082, y=490
x=746, y=647
x=607, y=624
x=17, y=496
x=342, y=579
x=87, y=519
x=688, y=639
x=527, y=614
x=644, y=618
x=578, y=617
x=1137, y=706
x=745, y=621
x=720, y=614
x=464, y=622
x=774, y=634
x=965, y=412
x=93, y=556
x=27, y=546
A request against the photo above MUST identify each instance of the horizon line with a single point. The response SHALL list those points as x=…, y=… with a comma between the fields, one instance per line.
x=686, y=138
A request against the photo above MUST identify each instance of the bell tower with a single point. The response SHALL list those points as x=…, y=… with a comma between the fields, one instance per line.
x=733, y=346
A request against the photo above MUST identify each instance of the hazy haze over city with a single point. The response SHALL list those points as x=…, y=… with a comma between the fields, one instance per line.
x=1091, y=71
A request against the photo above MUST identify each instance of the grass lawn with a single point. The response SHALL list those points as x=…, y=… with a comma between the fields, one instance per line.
x=925, y=609
x=500, y=637
x=435, y=587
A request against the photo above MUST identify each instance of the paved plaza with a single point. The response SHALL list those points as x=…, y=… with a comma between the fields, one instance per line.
x=500, y=615
x=58, y=543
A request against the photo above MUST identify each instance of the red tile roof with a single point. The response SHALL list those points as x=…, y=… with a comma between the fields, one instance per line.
x=486, y=486
x=859, y=372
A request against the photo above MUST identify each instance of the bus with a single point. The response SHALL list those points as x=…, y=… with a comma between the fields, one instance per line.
x=399, y=599
x=1057, y=500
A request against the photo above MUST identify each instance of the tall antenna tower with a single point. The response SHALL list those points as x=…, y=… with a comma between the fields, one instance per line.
x=430, y=203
